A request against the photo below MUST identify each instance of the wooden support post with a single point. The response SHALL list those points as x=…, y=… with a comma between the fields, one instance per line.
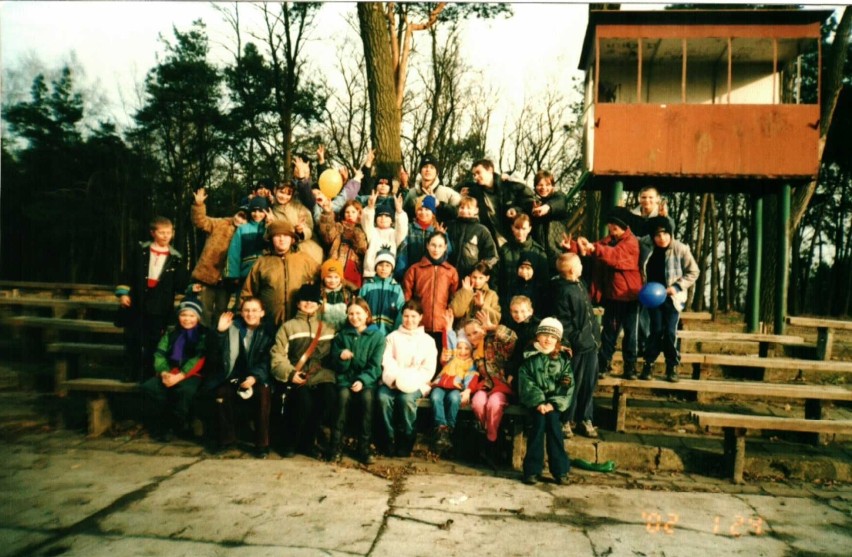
x=735, y=452
x=519, y=442
x=755, y=253
x=825, y=338
x=619, y=407
x=813, y=411
x=60, y=375
x=100, y=417
x=763, y=349
x=783, y=278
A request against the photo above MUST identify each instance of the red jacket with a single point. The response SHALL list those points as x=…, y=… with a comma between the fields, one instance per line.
x=617, y=275
x=433, y=285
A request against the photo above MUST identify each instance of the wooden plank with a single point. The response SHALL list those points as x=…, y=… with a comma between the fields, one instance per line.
x=696, y=316
x=84, y=348
x=60, y=303
x=25, y=285
x=685, y=358
x=100, y=385
x=778, y=363
x=837, y=324
x=58, y=324
x=723, y=420
x=719, y=336
x=742, y=388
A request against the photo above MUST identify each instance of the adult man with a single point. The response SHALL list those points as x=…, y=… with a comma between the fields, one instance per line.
x=278, y=275
x=499, y=201
x=650, y=206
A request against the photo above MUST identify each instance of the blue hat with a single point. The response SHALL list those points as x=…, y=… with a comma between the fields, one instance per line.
x=258, y=202
x=191, y=304
x=430, y=203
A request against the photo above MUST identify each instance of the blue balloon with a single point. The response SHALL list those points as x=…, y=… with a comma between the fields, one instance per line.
x=652, y=295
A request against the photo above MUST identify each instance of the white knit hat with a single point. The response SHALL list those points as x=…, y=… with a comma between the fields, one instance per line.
x=550, y=326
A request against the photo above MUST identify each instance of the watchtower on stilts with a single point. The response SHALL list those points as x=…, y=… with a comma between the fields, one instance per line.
x=705, y=101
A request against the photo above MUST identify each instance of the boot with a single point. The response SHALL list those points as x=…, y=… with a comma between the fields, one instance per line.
x=630, y=370
x=404, y=444
x=671, y=373
x=489, y=453
x=647, y=368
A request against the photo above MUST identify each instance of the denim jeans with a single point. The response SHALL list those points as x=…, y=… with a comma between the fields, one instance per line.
x=365, y=435
x=663, y=338
x=445, y=404
x=389, y=400
x=582, y=406
x=618, y=316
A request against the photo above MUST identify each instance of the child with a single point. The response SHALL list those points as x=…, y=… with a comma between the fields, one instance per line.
x=356, y=355
x=154, y=275
x=447, y=388
x=408, y=366
x=382, y=191
x=670, y=263
x=414, y=248
x=291, y=210
x=581, y=333
x=177, y=364
x=548, y=212
x=490, y=390
x=213, y=292
x=524, y=323
x=384, y=294
x=546, y=382
x=240, y=354
x=335, y=296
x=299, y=362
x=382, y=233
x=521, y=243
x=248, y=242
x=433, y=281
x=473, y=240
x=526, y=285
x=345, y=240
x=617, y=284
x=475, y=296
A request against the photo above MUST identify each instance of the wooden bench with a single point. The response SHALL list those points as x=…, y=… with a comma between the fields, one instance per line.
x=65, y=351
x=60, y=306
x=825, y=332
x=813, y=395
x=778, y=363
x=735, y=426
x=97, y=406
x=59, y=289
x=761, y=339
x=61, y=324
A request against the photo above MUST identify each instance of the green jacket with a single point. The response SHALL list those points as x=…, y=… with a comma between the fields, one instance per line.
x=366, y=366
x=541, y=380
x=193, y=353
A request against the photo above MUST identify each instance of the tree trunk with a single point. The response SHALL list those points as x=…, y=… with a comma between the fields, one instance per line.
x=697, y=296
x=386, y=116
x=714, y=254
x=727, y=280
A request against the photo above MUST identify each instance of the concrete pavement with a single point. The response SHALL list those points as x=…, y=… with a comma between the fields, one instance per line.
x=63, y=494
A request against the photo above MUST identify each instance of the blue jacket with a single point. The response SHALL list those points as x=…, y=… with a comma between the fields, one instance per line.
x=385, y=298
x=246, y=246
x=225, y=351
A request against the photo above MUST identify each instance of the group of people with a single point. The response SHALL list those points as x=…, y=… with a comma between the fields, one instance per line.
x=389, y=292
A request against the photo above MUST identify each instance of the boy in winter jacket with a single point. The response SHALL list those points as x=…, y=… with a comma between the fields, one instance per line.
x=178, y=362
x=335, y=296
x=472, y=240
x=580, y=334
x=671, y=264
x=311, y=392
x=617, y=284
x=475, y=296
x=213, y=292
x=248, y=242
x=548, y=211
x=239, y=364
x=545, y=384
x=288, y=208
x=520, y=245
x=384, y=294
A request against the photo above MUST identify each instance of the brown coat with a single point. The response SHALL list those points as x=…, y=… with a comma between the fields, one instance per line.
x=462, y=304
x=433, y=285
x=213, y=257
x=345, y=242
x=275, y=280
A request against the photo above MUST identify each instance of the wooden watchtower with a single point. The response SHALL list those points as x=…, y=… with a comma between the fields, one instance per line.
x=703, y=100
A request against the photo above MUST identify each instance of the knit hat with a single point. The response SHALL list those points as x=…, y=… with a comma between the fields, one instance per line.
x=258, y=202
x=430, y=203
x=331, y=266
x=462, y=338
x=662, y=223
x=383, y=209
x=385, y=255
x=550, y=326
x=386, y=178
x=280, y=227
x=429, y=158
x=619, y=216
x=525, y=259
x=191, y=304
x=309, y=293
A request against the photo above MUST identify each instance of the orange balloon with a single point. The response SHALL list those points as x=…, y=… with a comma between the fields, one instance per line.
x=330, y=183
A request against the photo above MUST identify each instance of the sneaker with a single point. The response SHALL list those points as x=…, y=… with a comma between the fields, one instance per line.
x=647, y=368
x=261, y=453
x=530, y=480
x=630, y=370
x=566, y=430
x=671, y=376
x=334, y=457
x=589, y=429
x=366, y=458
x=560, y=480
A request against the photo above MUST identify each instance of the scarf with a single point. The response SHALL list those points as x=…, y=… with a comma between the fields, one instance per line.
x=185, y=338
x=437, y=261
x=541, y=349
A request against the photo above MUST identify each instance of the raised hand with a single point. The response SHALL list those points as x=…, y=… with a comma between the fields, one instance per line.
x=321, y=154
x=466, y=283
x=449, y=319
x=373, y=197
x=439, y=226
x=225, y=321
x=566, y=242
x=371, y=156
x=200, y=196
x=397, y=202
x=511, y=213
x=270, y=216
x=403, y=178
x=479, y=298
x=541, y=210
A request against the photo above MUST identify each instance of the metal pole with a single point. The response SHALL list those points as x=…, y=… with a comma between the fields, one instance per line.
x=610, y=196
x=783, y=279
x=755, y=253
